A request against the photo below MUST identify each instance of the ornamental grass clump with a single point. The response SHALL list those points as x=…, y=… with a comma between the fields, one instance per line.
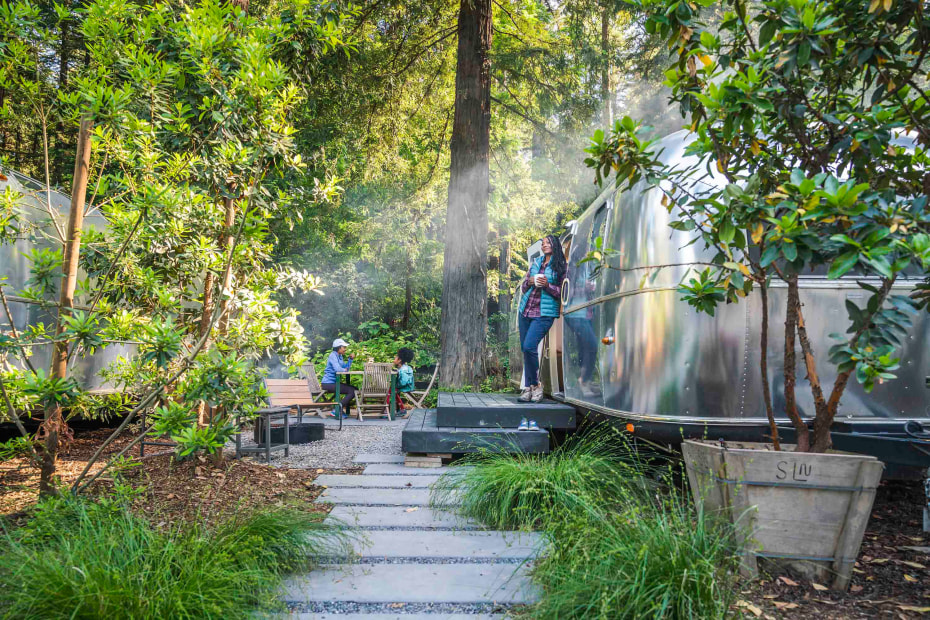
x=659, y=559
x=513, y=490
x=80, y=559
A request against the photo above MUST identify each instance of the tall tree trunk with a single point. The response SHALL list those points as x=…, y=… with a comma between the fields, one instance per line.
x=408, y=292
x=791, y=407
x=605, y=69
x=54, y=426
x=464, y=273
x=764, y=363
x=503, y=285
x=822, y=440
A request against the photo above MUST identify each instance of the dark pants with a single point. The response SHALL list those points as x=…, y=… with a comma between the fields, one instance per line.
x=532, y=331
x=347, y=391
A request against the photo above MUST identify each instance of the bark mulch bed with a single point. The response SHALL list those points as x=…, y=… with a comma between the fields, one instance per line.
x=890, y=580
x=166, y=491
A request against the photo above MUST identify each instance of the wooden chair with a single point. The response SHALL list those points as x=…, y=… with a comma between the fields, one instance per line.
x=308, y=373
x=296, y=394
x=416, y=397
x=376, y=387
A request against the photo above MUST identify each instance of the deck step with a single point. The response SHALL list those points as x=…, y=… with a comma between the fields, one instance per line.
x=477, y=410
x=400, y=516
x=423, y=434
x=414, y=583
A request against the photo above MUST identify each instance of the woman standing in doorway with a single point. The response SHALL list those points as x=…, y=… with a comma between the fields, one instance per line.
x=539, y=308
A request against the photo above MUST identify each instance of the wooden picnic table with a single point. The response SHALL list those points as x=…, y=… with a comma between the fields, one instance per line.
x=392, y=410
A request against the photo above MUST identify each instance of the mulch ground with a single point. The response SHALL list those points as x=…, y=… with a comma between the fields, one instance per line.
x=890, y=580
x=167, y=491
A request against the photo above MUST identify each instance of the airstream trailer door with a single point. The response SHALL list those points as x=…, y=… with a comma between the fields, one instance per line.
x=581, y=310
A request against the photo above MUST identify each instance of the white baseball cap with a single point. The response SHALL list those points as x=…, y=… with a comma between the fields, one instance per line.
x=339, y=342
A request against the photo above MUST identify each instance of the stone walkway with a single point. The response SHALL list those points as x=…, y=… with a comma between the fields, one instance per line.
x=415, y=563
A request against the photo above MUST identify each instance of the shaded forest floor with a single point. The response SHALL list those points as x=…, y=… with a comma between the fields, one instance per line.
x=166, y=491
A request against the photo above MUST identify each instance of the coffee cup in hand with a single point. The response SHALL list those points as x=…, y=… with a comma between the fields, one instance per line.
x=541, y=280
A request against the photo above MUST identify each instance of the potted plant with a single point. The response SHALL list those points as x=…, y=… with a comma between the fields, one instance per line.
x=812, y=120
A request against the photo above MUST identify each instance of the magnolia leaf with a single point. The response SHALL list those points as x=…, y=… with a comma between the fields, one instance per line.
x=750, y=608
x=819, y=587
x=781, y=605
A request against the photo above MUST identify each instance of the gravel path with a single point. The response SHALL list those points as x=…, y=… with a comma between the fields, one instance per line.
x=339, y=447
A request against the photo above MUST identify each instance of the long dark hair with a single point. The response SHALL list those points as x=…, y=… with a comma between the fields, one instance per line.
x=557, y=259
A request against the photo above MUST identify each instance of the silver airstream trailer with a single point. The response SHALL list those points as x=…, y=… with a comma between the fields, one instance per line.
x=629, y=349
x=16, y=269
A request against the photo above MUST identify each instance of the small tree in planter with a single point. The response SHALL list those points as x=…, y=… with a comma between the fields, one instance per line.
x=816, y=116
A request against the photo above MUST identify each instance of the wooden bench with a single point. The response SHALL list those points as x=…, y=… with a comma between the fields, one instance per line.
x=296, y=394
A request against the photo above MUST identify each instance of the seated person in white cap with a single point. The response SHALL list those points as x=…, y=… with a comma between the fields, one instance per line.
x=337, y=362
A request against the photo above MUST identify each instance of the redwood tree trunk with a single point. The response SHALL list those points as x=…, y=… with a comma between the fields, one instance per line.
x=464, y=273
x=54, y=426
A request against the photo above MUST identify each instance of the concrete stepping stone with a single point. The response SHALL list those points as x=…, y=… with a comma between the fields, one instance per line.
x=414, y=583
x=366, y=457
x=389, y=482
x=395, y=469
x=400, y=516
x=376, y=497
x=446, y=544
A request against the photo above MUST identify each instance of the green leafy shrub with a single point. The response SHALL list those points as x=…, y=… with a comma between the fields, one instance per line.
x=78, y=559
x=13, y=448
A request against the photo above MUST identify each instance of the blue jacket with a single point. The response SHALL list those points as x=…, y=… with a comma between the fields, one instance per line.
x=335, y=363
x=405, y=379
x=550, y=302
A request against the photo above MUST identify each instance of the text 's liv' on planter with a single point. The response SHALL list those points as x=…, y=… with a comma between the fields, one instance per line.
x=808, y=511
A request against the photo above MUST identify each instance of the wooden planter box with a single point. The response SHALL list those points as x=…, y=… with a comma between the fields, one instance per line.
x=808, y=511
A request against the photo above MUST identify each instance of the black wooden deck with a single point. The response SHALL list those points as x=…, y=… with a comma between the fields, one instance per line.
x=423, y=434
x=474, y=410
